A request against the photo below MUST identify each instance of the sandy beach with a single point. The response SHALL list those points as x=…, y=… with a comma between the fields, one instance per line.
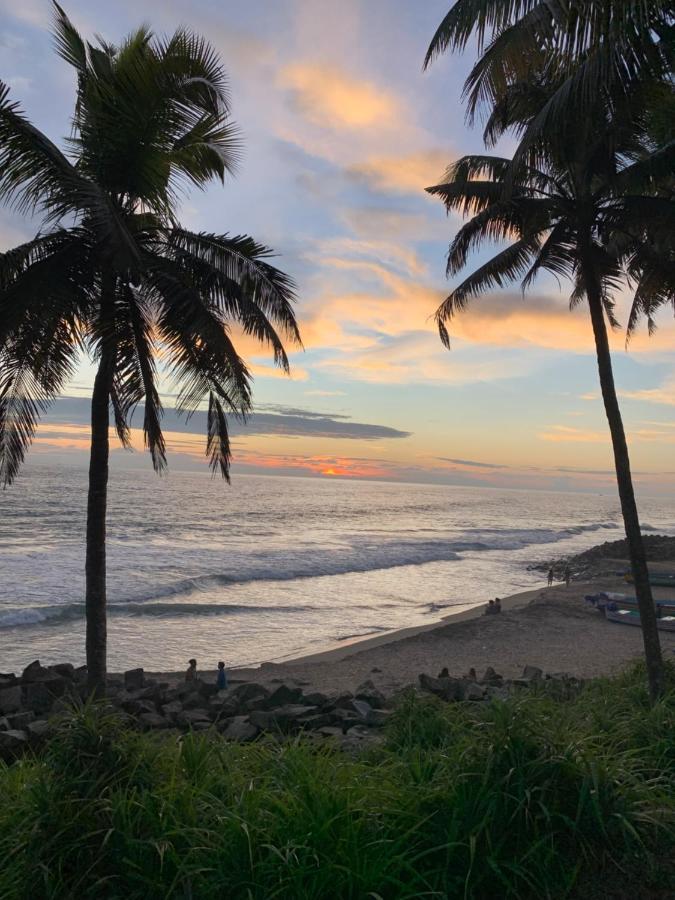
x=552, y=628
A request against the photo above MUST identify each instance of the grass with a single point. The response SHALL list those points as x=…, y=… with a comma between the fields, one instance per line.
x=535, y=797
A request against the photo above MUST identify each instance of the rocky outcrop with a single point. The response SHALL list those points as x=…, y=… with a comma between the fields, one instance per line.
x=493, y=686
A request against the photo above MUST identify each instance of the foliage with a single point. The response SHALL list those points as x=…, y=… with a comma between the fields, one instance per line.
x=533, y=797
x=112, y=273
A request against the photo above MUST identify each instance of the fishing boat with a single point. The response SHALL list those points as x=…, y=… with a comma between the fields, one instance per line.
x=606, y=599
x=628, y=614
x=657, y=579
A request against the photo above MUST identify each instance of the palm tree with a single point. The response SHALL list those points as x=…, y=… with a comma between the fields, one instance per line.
x=112, y=272
x=588, y=211
x=602, y=46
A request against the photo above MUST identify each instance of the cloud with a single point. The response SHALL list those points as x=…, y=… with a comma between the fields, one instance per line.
x=328, y=98
x=566, y=434
x=664, y=395
x=404, y=174
x=472, y=463
x=325, y=393
x=71, y=415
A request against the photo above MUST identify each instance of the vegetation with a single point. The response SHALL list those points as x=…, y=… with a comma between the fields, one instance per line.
x=586, y=196
x=533, y=797
x=112, y=273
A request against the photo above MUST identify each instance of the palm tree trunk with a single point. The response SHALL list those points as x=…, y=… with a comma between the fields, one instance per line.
x=638, y=559
x=95, y=566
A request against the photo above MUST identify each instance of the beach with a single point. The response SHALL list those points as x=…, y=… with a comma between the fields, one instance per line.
x=552, y=628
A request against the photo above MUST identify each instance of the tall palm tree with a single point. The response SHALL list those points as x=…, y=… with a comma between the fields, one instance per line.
x=588, y=212
x=113, y=274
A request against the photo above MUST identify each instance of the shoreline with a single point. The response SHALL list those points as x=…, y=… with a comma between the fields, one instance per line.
x=548, y=627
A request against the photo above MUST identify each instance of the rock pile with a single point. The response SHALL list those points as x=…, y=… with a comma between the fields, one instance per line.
x=493, y=686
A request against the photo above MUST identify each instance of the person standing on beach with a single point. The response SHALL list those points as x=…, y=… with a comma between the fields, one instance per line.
x=191, y=674
x=567, y=575
x=221, y=677
x=550, y=576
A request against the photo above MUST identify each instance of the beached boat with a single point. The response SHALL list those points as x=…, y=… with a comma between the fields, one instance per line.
x=606, y=599
x=656, y=579
x=631, y=616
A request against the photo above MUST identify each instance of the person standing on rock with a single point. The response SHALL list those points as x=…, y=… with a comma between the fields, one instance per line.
x=221, y=677
x=191, y=674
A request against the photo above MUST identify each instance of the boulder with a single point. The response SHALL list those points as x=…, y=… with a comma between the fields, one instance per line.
x=249, y=690
x=40, y=695
x=316, y=698
x=172, y=709
x=7, y=680
x=189, y=718
x=239, y=728
x=533, y=673
x=445, y=688
x=283, y=718
x=35, y=671
x=81, y=673
x=4, y=724
x=370, y=694
x=12, y=743
x=283, y=695
x=316, y=720
x=65, y=670
x=134, y=679
x=140, y=707
x=20, y=720
x=10, y=699
x=193, y=701
x=473, y=691
x=331, y=731
x=152, y=720
x=342, y=701
x=38, y=732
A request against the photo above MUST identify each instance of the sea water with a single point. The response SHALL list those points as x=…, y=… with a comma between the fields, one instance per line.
x=272, y=567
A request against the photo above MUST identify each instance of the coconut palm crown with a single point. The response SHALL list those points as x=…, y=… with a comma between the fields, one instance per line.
x=113, y=274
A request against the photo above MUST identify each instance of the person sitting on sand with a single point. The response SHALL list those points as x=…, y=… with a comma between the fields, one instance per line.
x=444, y=673
x=550, y=576
x=221, y=677
x=498, y=605
x=191, y=674
x=490, y=610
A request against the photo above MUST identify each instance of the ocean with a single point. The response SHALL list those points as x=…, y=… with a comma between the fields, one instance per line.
x=272, y=567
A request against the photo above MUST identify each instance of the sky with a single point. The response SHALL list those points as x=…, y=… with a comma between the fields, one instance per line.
x=342, y=132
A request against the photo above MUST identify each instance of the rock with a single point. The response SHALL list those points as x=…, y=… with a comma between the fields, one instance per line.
x=189, y=718
x=240, y=728
x=171, y=709
x=65, y=670
x=316, y=698
x=43, y=688
x=140, y=707
x=10, y=699
x=81, y=673
x=7, y=680
x=445, y=688
x=533, y=673
x=497, y=693
x=38, y=732
x=330, y=731
x=12, y=743
x=342, y=701
x=134, y=679
x=4, y=724
x=346, y=718
x=473, y=691
x=375, y=669
x=35, y=672
x=283, y=695
x=380, y=717
x=363, y=709
x=193, y=701
x=249, y=690
x=19, y=721
x=283, y=718
x=207, y=689
x=491, y=677
x=151, y=720
x=316, y=720
x=370, y=694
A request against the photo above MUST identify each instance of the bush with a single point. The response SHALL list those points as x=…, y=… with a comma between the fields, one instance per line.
x=534, y=797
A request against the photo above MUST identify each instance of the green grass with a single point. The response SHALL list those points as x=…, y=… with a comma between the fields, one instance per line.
x=536, y=797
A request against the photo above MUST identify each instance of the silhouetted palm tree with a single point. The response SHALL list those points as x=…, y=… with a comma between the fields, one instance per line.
x=113, y=273
x=589, y=211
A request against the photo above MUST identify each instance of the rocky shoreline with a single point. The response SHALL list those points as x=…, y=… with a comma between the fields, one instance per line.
x=598, y=560
x=31, y=703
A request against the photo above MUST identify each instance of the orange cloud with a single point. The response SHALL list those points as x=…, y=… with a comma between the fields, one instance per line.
x=565, y=434
x=330, y=99
x=664, y=394
x=403, y=174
